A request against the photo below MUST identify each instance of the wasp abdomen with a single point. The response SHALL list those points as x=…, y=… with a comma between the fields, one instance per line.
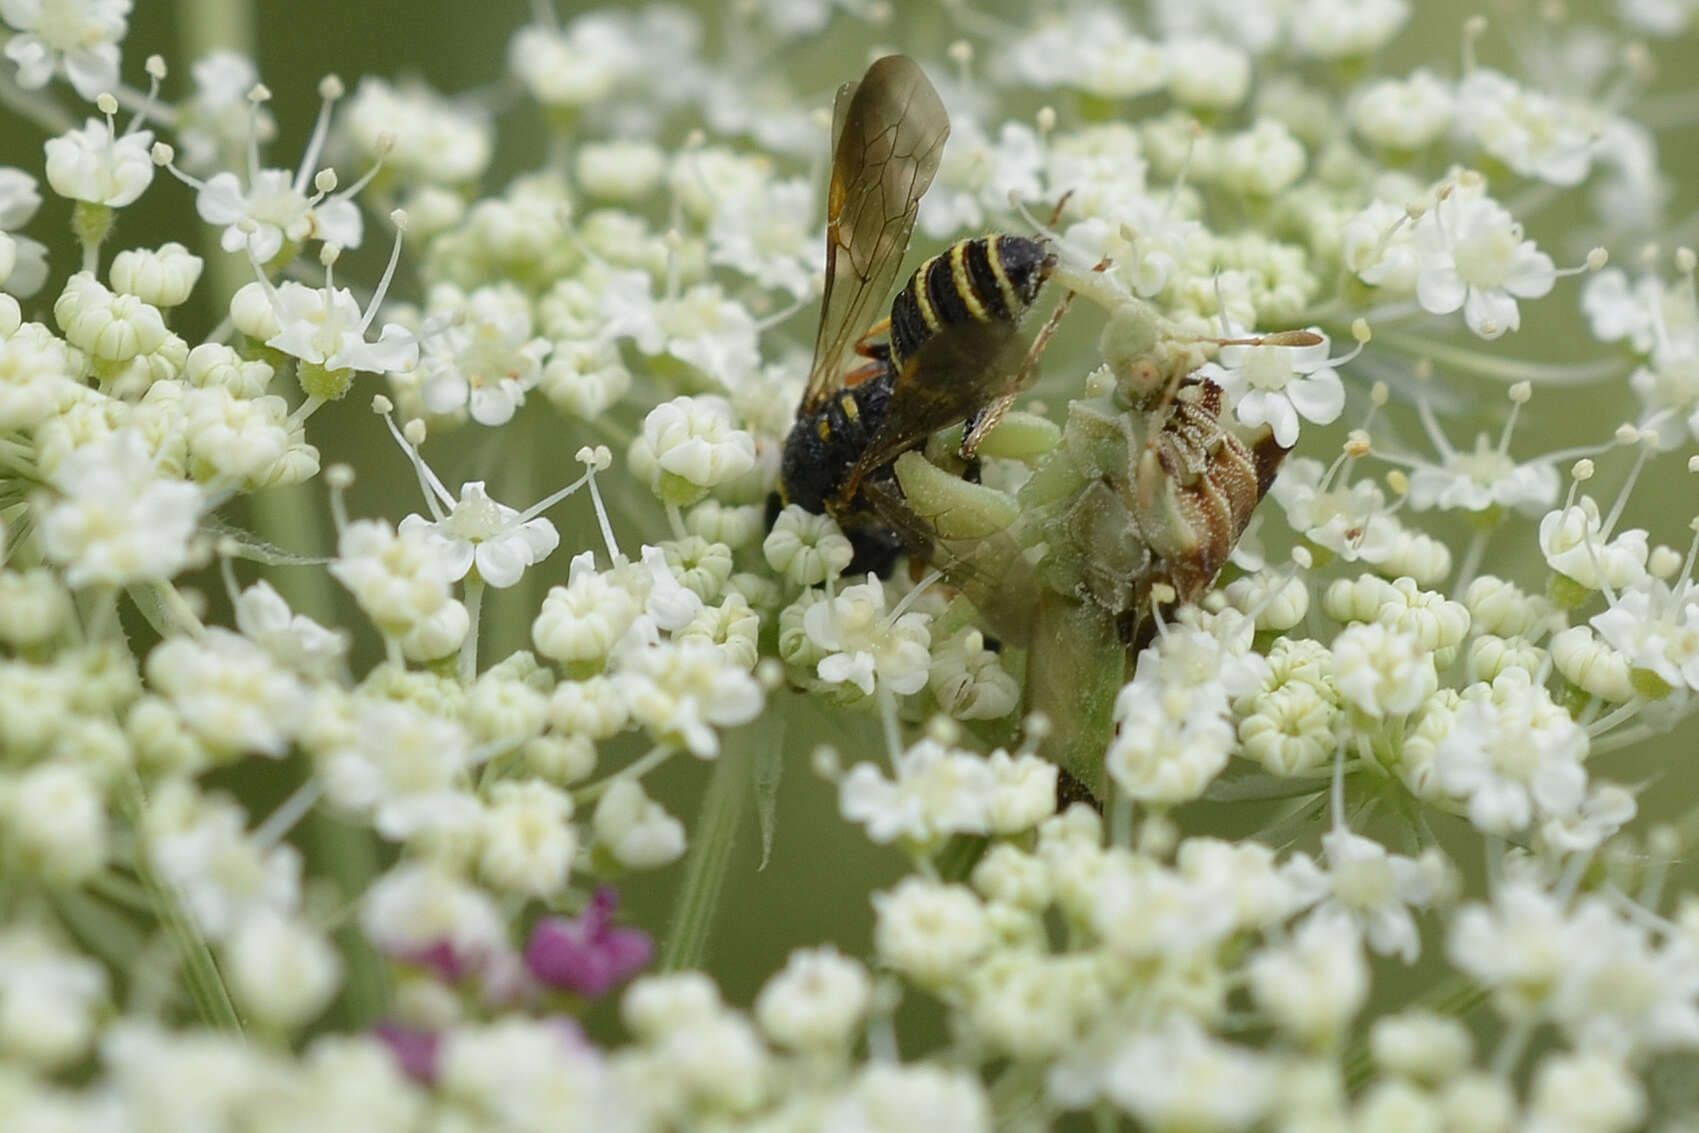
x=986, y=279
x=823, y=447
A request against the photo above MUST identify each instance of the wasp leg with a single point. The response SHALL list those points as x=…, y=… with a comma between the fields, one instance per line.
x=867, y=348
x=985, y=418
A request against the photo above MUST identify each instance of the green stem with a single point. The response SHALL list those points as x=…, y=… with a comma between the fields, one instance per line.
x=710, y=857
x=474, y=602
x=348, y=856
x=200, y=970
x=206, y=26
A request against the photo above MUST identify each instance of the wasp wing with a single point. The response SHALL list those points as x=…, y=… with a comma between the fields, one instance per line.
x=993, y=570
x=888, y=136
x=958, y=371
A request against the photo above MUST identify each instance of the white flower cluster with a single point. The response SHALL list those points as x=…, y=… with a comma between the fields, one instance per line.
x=314, y=820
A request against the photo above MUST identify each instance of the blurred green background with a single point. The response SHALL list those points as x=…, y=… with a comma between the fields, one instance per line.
x=815, y=885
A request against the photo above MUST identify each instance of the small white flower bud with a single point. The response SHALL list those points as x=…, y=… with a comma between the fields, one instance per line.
x=112, y=328
x=281, y=971
x=33, y=606
x=163, y=277
x=1421, y=1045
x=620, y=170
x=637, y=831
x=817, y=1002
x=213, y=364
x=689, y=445
x=1382, y=671
x=252, y=313
x=1591, y=665
x=806, y=548
x=56, y=823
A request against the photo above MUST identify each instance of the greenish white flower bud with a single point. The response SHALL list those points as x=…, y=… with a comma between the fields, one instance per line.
x=281, y=972
x=111, y=328
x=163, y=277
x=636, y=830
x=252, y=312
x=806, y=548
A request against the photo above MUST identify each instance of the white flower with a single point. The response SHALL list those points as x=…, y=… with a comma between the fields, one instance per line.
x=98, y=166
x=111, y=328
x=56, y=823
x=709, y=331
x=1589, y=1091
x=200, y=844
x=163, y=277
x=479, y=532
x=1382, y=671
x=969, y=681
x=275, y=208
x=1350, y=520
x=806, y=548
x=620, y=170
x=418, y=906
x=248, y=441
x=324, y=326
x=577, y=65
x=1275, y=385
x=1314, y=985
x=1261, y=161
x=484, y=359
x=1338, y=29
x=637, y=831
x=912, y=1098
x=682, y=690
x=1377, y=245
x=584, y=378
x=1170, y=741
x=670, y=603
x=689, y=445
x=1176, y=1076
x=417, y=132
x=1592, y=665
x=527, y=1074
x=1405, y=113
x=402, y=581
x=1533, y=133
x=583, y=620
x=48, y=996
x=528, y=840
x=116, y=521
x=281, y=971
x=929, y=931
x=1485, y=478
x=1656, y=628
x=1514, y=754
x=1473, y=255
x=1572, y=540
x=770, y=236
x=1375, y=889
x=403, y=768
x=1207, y=72
x=293, y=640
x=79, y=36
x=218, y=118
x=816, y=1002
x=229, y=691
x=863, y=647
x=23, y=261
x=37, y=377
x=936, y=792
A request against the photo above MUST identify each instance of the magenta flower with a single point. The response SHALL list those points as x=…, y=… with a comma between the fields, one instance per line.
x=416, y=1049
x=588, y=955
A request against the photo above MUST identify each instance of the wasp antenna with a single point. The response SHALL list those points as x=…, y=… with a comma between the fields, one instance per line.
x=1061, y=206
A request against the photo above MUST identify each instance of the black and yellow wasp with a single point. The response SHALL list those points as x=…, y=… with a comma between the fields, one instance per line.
x=950, y=353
